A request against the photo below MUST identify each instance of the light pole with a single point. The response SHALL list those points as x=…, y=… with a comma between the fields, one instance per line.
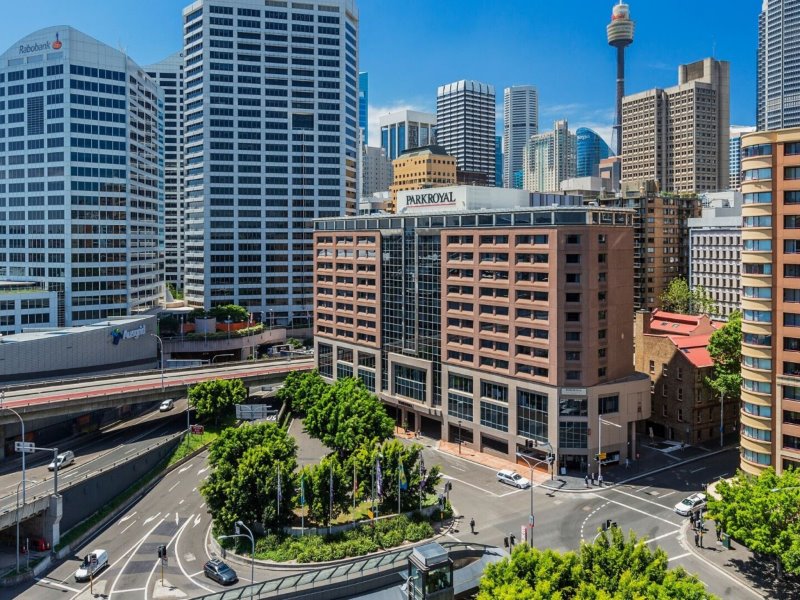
x=600, y=422
x=228, y=322
x=271, y=319
x=531, y=465
x=721, y=421
x=22, y=428
x=252, y=549
x=17, y=513
x=161, y=344
x=459, y=436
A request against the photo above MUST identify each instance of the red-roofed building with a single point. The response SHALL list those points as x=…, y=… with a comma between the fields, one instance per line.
x=673, y=350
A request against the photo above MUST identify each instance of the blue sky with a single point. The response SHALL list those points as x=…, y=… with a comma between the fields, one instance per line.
x=410, y=47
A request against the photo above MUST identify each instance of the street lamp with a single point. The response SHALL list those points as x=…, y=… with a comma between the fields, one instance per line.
x=721, y=421
x=252, y=549
x=161, y=343
x=600, y=422
x=22, y=428
x=228, y=322
x=459, y=436
x=531, y=465
x=17, y=512
x=271, y=319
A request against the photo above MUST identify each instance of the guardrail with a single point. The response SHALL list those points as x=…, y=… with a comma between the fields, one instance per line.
x=358, y=569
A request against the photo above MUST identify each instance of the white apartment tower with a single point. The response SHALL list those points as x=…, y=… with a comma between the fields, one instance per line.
x=735, y=156
x=81, y=175
x=778, y=70
x=465, y=128
x=271, y=143
x=520, y=122
x=549, y=158
x=403, y=130
x=168, y=74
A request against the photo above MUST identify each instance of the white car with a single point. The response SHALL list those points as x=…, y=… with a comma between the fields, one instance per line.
x=62, y=460
x=688, y=505
x=512, y=478
x=166, y=405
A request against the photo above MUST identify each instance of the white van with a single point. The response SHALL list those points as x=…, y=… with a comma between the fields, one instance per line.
x=62, y=460
x=93, y=562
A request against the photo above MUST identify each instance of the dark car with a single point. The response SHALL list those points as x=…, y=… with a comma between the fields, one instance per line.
x=220, y=572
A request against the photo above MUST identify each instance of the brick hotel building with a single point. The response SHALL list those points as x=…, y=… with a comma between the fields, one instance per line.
x=491, y=317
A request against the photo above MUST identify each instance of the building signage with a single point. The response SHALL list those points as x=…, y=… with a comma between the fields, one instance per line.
x=430, y=198
x=40, y=46
x=117, y=335
x=573, y=391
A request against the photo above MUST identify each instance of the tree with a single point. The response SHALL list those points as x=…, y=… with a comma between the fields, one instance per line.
x=301, y=390
x=611, y=567
x=317, y=482
x=243, y=483
x=348, y=416
x=678, y=298
x=725, y=348
x=766, y=521
x=216, y=397
x=234, y=312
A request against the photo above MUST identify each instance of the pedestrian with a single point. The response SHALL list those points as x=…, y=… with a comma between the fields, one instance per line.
x=696, y=538
x=586, y=480
x=512, y=539
x=719, y=532
x=472, y=525
x=594, y=475
x=701, y=538
x=627, y=463
x=600, y=480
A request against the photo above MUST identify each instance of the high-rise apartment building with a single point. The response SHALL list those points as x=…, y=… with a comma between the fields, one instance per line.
x=363, y=106
x=520, y=122
x=715, y=244
x=168, y=74
x=376, y=171
x=778, y=70
x=421, y=168
x=465, y=128
x=590, y=149
x=483, y=320
x=549, y=158
x=271, y=142
x=734, y=156
x=679, y=136
x=406, y=129
x=770, y=403
x=81, y=175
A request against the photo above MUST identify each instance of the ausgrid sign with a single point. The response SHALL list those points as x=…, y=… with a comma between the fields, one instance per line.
x=132, y=334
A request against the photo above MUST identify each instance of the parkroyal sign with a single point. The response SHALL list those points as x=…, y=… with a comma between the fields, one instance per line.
x=428, y=198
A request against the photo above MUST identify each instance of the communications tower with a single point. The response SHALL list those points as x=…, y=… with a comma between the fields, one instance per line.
x=620, y=35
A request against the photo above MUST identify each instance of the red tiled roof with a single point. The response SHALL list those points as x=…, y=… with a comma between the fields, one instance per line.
x=695, y=348
x=674, y=323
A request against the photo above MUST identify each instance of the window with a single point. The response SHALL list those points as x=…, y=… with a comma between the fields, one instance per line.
x=680, y=393
x=573, y=435
x=459, y=406
x=754, y=174
x=532, y=415
x=756, y=457
x=791, y=319
x=494, y=391
x=791, y=173
x=410, y=382
x=762, y=316
x=758, y=150
x=325, y=360
x=758, y=245
x=791, y=197
x=757, y=198
x=652, y=366
x=763, y=293
x=608, y=404
x=759, y=387
x=494, y=416
x=757, y=410
x=573, y=407
x=756, y=339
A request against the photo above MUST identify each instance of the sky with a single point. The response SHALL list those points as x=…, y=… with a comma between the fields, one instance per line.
x=410, y=47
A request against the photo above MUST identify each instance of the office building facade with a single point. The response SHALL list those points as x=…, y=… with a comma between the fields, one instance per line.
x=485, y=321
x=81, y=191
x=715, y=244
x=679, y=136
x=590, y=149
x=26, y=304
x=549, y=158
x=271, y=142
x=405, y=130
x=770, y=398
x=778, y=65
x=465, y=128
x=520, y=122
x=421, y=168
x=735, y=156
x=168, y=74
x=363, y=106
x=376, y=171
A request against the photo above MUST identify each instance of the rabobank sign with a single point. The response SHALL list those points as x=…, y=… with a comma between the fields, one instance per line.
x=34, y=47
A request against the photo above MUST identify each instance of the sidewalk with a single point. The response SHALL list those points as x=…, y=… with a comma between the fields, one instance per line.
x=741, y=564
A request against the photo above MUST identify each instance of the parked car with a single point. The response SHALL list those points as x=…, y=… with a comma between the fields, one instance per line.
x=220, y=572
x=167, y=405
x=688, y=505
x=512, y=478
x=35, y=544
x=62, y=460
x=89, y=568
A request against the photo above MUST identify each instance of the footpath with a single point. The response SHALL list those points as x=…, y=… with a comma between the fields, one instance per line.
x=730, y=559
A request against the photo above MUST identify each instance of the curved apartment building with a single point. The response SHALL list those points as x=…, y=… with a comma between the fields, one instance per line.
x=770, y=408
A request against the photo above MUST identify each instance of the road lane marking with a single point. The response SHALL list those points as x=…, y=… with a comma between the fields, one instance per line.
x=178, y=557
x=177, y=483
x=203, y=470
x=157, y=562
x=662, y=536
x=48, y=581
x=133, y=553
x=517, y=491
x=181, y=501
x=148, y=519
x=667, y=494
x=196, y=574
x=697, y=470
x=642, y=512
x=126, y=517
x=619, y=491
x=176, y=518
x=128, y=527
x=126, y=591
x=684, y=555
x=469, y=484
x=186, y=468
x=196, y=521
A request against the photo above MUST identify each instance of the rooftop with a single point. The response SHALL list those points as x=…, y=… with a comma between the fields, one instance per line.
x=42, y=334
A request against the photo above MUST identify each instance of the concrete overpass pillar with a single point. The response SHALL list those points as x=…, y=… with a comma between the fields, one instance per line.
x=52, y=520
x=2, y=442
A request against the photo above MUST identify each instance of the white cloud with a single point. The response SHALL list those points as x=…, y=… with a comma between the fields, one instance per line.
x=375, y=112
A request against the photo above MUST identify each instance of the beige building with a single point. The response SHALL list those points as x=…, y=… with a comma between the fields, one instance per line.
x=482, y=320
x=679, y=136
x=549, y=158
x=770, y=417
x=421, y=168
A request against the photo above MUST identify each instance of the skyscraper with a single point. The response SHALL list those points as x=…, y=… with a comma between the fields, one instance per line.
x=735, y=156
x=498, y=161
x=520, y=122
x=406, y=129
x=363, y=106
x=265, y=152
x=620, y=35
x=549, y=159
x=778, y=71
x=679, y=136
x=168, y=74
x=83, y=180
x=465, y=128
x=376, y=171
x=591, y=149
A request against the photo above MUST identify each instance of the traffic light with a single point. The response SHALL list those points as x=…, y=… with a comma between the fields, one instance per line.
x=609, y=524
x=162, y=551
x=505, y=542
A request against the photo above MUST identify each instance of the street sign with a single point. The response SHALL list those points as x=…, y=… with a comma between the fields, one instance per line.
x=601, y=456
x=197, y=429
x=530, y=520
x=26, y=447
x=523, y=534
